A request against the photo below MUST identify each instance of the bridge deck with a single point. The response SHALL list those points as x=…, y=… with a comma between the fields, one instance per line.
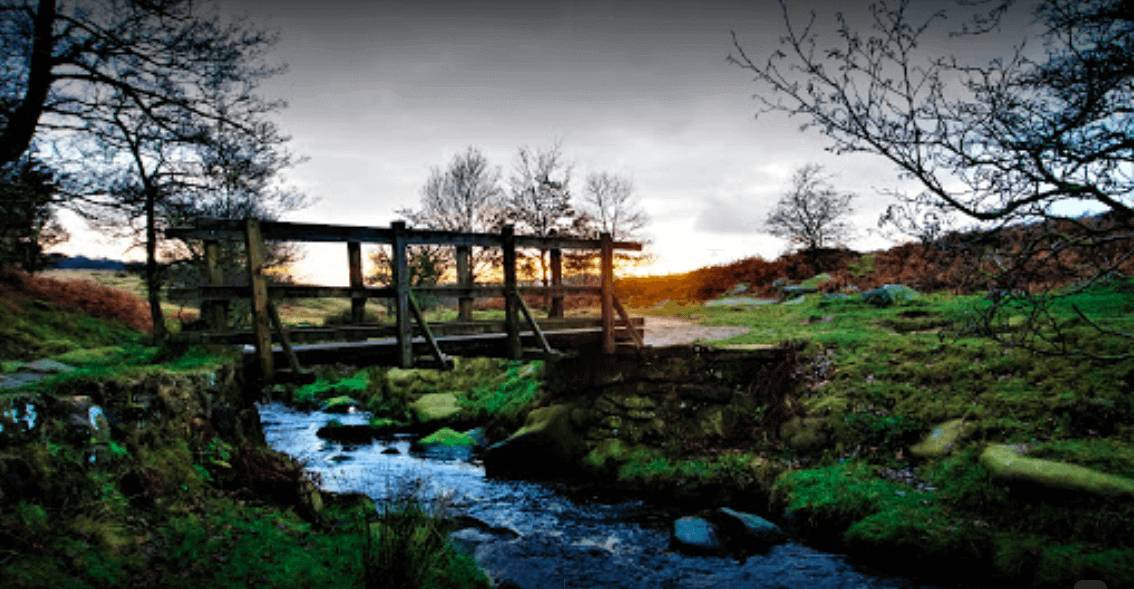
x=385, y=352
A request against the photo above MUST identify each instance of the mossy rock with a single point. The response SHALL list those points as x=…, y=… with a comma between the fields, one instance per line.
x=942, y=439
x=888, y=294
x=434, y=407
x=340, y=404
x=715, y=421
x=447, y=437
x=610, y=451
x=548, y=444
x=816, y=280
x=806, y=434
x=446, y=444
x=1005, y=462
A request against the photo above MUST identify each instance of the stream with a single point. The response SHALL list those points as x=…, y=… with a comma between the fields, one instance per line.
x=561, y=542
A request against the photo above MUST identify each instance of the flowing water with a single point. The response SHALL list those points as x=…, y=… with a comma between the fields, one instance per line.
x=540, y=538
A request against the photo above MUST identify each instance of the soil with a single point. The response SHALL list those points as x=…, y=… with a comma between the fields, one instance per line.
x=670, y=331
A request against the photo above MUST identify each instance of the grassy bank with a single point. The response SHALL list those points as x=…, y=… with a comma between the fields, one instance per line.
x=879, y=380
x=168, y=483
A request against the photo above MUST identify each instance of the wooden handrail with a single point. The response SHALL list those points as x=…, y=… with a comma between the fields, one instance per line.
x=407, y=314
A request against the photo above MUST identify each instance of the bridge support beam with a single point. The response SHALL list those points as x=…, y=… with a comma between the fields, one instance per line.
x=254, y=246
x=357, y=298
x=215, y=313
x=401, y=297
x=511, y=318
x=555, y=310
x=465, y=279
x=607, y=263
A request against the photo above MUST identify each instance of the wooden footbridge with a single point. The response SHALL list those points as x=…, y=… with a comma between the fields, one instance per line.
x=409, y=341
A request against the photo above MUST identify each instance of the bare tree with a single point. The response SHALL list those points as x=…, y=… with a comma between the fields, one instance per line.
x=465, y=196
x=66, y=65
x=539, y=200
x=1012, y=141
x=611, y=201
x=811, y=213
x=131, y=94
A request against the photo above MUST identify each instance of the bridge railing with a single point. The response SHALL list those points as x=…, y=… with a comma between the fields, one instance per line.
x=214, y=296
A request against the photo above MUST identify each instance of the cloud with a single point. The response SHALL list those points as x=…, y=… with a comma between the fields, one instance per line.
x=730, y=215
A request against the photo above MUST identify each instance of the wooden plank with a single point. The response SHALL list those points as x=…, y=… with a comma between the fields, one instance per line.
x=627, y=322
x=312, y=232
x=456, y=290
x=464, y=280
x=285, y=343
x=357, y=332
x=535, y=327
x=442, y=360
x=279, y=291
x=254, y=246
x=401, y=305
x=307, y=291
x=358, y=297
x=495, y=345
x=511, y=322
x=607, y=265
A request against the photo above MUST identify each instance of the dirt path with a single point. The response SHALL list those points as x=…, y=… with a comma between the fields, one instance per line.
x=668, y=331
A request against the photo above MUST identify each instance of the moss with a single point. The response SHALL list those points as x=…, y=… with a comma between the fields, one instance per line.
x=1005, y=462
x=447, y=437
x=435, y=407
x=942, y=439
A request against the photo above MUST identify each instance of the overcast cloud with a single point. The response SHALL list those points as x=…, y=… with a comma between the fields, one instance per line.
x=380, y=92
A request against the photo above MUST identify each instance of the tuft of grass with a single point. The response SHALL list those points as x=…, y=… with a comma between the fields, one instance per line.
x=407, y=546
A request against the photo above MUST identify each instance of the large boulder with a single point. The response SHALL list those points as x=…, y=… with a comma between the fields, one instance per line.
x=694, y=535
x=1005, y=462
x=549, y=444
x=435, y=407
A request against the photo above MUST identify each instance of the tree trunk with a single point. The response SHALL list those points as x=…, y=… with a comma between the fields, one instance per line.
x=153, y=281
x=24, y=119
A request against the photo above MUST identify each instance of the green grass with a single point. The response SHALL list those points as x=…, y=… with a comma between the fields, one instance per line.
x=407, y=547
x=882, y=377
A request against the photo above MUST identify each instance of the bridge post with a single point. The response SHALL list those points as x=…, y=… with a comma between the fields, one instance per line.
x=511, y=320
x=607, y=265
x=556, y=308
x=357, y=300
x=401, y=298
x=215, y=313
x=465, y=279
x=254, y=246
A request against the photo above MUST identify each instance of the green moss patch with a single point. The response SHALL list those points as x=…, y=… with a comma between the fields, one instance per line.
x=1006, y=462
x=435, y=407
x=447, y=437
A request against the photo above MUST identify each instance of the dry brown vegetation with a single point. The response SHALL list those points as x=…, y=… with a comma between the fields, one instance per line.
x=961, y=264
x=75, y=295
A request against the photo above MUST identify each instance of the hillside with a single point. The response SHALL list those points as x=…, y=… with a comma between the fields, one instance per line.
x=958, y=264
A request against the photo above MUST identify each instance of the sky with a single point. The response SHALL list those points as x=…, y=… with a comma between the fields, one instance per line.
x=380, y=92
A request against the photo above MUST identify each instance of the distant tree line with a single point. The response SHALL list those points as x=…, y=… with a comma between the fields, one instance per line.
x=538, y=198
